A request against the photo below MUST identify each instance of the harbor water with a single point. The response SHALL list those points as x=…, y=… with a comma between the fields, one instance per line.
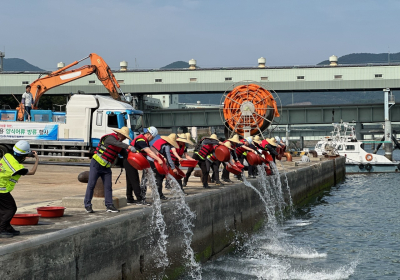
x=349, y=232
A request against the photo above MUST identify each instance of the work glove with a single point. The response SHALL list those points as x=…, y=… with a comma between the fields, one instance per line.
x=133, y=150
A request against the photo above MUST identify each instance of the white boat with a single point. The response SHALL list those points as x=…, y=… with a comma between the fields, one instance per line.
x=343, y=142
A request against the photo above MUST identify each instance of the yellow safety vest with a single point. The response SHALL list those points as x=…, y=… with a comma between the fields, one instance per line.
x=8, y=167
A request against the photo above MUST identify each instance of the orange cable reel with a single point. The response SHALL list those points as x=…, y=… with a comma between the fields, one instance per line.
x=249, y=106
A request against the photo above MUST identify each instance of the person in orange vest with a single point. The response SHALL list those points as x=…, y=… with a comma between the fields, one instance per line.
x=179, y=154
x=142, y=145
x=11, y=170
x=110, y=145
x=163, y=146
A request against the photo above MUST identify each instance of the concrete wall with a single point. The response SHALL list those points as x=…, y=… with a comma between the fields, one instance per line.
x=118, y=248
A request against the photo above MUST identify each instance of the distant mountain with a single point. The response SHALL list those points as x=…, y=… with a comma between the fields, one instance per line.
x=17, y=64
x=362, y=58
x=176, y=65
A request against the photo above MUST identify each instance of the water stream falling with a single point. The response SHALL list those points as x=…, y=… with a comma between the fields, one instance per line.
x=157, y=225
x=291, y=208
x=184, y=219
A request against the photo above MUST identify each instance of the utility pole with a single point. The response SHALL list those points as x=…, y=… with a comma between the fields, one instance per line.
x=2, y=55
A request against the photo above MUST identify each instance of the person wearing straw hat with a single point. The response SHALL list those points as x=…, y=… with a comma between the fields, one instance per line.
x=110, y=145
x=142, y=145
x=213, y=162
x=207, y=147
x=164, y=146
x=270, y=146
x=234, y=140
x=178, y=154
x=242, y=149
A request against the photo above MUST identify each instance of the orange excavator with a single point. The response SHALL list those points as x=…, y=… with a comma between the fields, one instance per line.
x=61, y=76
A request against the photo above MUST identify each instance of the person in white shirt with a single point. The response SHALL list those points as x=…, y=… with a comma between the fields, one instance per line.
x=27, y=100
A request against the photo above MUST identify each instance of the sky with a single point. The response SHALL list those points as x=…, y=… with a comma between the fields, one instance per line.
x=151, y=34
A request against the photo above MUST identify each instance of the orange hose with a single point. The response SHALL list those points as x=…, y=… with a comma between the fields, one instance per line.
x=262, y=100
x=288, y=156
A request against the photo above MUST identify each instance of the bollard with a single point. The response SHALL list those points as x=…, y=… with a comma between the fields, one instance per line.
x=83, y=177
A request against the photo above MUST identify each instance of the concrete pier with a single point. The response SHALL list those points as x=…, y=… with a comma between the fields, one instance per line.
x=116, y=246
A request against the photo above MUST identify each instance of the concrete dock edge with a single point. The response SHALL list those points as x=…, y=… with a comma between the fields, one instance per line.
x=118, y=248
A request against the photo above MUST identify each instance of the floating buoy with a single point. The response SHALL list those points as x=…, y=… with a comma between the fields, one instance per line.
x=368, y=157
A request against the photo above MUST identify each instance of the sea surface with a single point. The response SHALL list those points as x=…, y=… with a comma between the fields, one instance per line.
x=351, y=231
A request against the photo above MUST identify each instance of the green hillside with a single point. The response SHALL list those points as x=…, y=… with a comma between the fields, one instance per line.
x=363, y=58
x=17, y=64
x=176, y=65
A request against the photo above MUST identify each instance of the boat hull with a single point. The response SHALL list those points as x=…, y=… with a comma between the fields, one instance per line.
x=372, y=168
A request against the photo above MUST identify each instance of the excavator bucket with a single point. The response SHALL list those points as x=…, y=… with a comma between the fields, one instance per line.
x=105, y=75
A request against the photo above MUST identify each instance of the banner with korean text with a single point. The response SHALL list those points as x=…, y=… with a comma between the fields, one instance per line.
x=27, y=130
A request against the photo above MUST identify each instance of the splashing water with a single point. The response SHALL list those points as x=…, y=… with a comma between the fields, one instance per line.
x=185, y=219
x=157, y=225
x=291, y=207
x=272, y=253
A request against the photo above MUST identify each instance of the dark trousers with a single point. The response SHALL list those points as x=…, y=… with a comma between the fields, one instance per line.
x=241, y=160
x=132, y=182
x=252, y=170
x=96, y=171
x=159, y=178
x=203, y=168
x=215, y=168
x=225, y=173
x=7, y=210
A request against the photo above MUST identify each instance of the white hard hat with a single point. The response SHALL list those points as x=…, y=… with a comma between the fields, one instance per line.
x=284, y=139
x=277, y=139
x=249, y=139
x=22, y=147
x=153, y=131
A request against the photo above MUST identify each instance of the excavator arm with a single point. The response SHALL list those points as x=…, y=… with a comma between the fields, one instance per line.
x=61, y=76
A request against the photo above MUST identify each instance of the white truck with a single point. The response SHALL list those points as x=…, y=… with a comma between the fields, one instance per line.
x=73, y=134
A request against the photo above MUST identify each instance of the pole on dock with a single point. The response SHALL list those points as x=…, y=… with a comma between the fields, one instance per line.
x=389, y=101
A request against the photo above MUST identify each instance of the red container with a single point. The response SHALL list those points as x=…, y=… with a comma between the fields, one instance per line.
x=269, y=172
x=267, y=156
x=222, y=153
x=25, y=219
x=239, y=165
x=178, y=176
x=51, y=212
x=163, y=170
x=188, y=163
x=138, y=161
x=252, y=158
x=234, y=169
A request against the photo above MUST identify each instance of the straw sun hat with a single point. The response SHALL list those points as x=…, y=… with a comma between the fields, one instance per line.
x=272, y=141
x=185, y=138
x=123, y=131
x=213, y=136
x=235, y=139
x=257, y=139
x=171, y=139
x=228, y=145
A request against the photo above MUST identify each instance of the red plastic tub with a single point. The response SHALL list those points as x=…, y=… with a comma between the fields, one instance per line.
x=239, y=165
x=188, y=163
x=222, y=153
x=252, y=158
x=267, y=156
x=234, y=169
x=163, y=170
x=51, y=212
x=138, y=161
x=178, y=176
x=25, y=219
